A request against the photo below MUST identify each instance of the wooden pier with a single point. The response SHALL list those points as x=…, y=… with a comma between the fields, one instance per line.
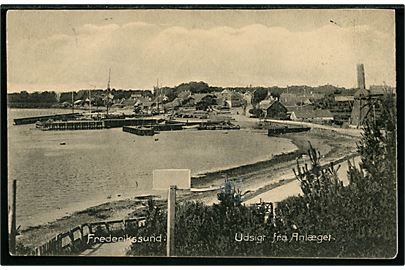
x=97, y=124
x=71, y=125
x=115, y=123
x=34, y=119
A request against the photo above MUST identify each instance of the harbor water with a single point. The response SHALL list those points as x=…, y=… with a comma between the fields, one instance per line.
x=99, y=165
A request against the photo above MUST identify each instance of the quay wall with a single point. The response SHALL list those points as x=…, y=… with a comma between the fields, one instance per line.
x=115, y=123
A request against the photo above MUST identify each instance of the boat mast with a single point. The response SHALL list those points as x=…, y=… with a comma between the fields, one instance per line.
x=73, y=105
x=157, y=89
x=108, y=89
x=90, y=100
x=109, y=79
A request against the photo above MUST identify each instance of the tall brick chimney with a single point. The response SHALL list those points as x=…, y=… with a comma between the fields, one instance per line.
x=361, y=81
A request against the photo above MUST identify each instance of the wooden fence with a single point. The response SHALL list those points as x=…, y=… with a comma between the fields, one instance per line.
x=75, y=241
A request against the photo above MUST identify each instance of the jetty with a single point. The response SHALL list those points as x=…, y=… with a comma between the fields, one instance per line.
x=34, y=119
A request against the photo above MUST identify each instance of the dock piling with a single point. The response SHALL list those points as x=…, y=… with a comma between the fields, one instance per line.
x=13, y=229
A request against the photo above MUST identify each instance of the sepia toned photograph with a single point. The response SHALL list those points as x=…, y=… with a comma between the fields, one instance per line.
x=202, y=133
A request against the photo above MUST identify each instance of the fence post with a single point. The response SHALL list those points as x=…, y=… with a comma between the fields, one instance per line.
x=171, y=214
x=13, y=229
x=82, y=245
x=72, y=241
x=56, y=245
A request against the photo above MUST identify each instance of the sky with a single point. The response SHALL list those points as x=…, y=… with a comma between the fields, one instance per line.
x=64, y=50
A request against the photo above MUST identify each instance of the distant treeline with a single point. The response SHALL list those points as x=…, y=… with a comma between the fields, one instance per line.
x=40, y=98
x=49, y=98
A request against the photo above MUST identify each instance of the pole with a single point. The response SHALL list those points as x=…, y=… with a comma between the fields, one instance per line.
x=13, y=230
x=90, y=100
x=73, y=105
x=171, y=214
x=157, y=89
x=108, y=89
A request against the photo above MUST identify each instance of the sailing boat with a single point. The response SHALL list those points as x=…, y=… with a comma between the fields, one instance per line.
x=109, y=96
x=159, y=98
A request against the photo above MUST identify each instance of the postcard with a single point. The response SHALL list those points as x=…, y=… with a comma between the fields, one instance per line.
x=195, y=132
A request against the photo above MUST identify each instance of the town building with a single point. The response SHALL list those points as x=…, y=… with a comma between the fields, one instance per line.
x=232, y=98
x=274, y=109
x=309, y=114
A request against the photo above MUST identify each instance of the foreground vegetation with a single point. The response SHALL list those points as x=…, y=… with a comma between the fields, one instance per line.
x=358, y=220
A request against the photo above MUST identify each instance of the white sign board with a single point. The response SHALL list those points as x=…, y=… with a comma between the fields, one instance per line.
x=163, y=179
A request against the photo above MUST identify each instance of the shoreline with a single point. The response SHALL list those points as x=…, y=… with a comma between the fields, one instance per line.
x=283, y=181
x=207, y=178
x=199, y=178
x=271, y=176
x=259, y=174
x=202, y=178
